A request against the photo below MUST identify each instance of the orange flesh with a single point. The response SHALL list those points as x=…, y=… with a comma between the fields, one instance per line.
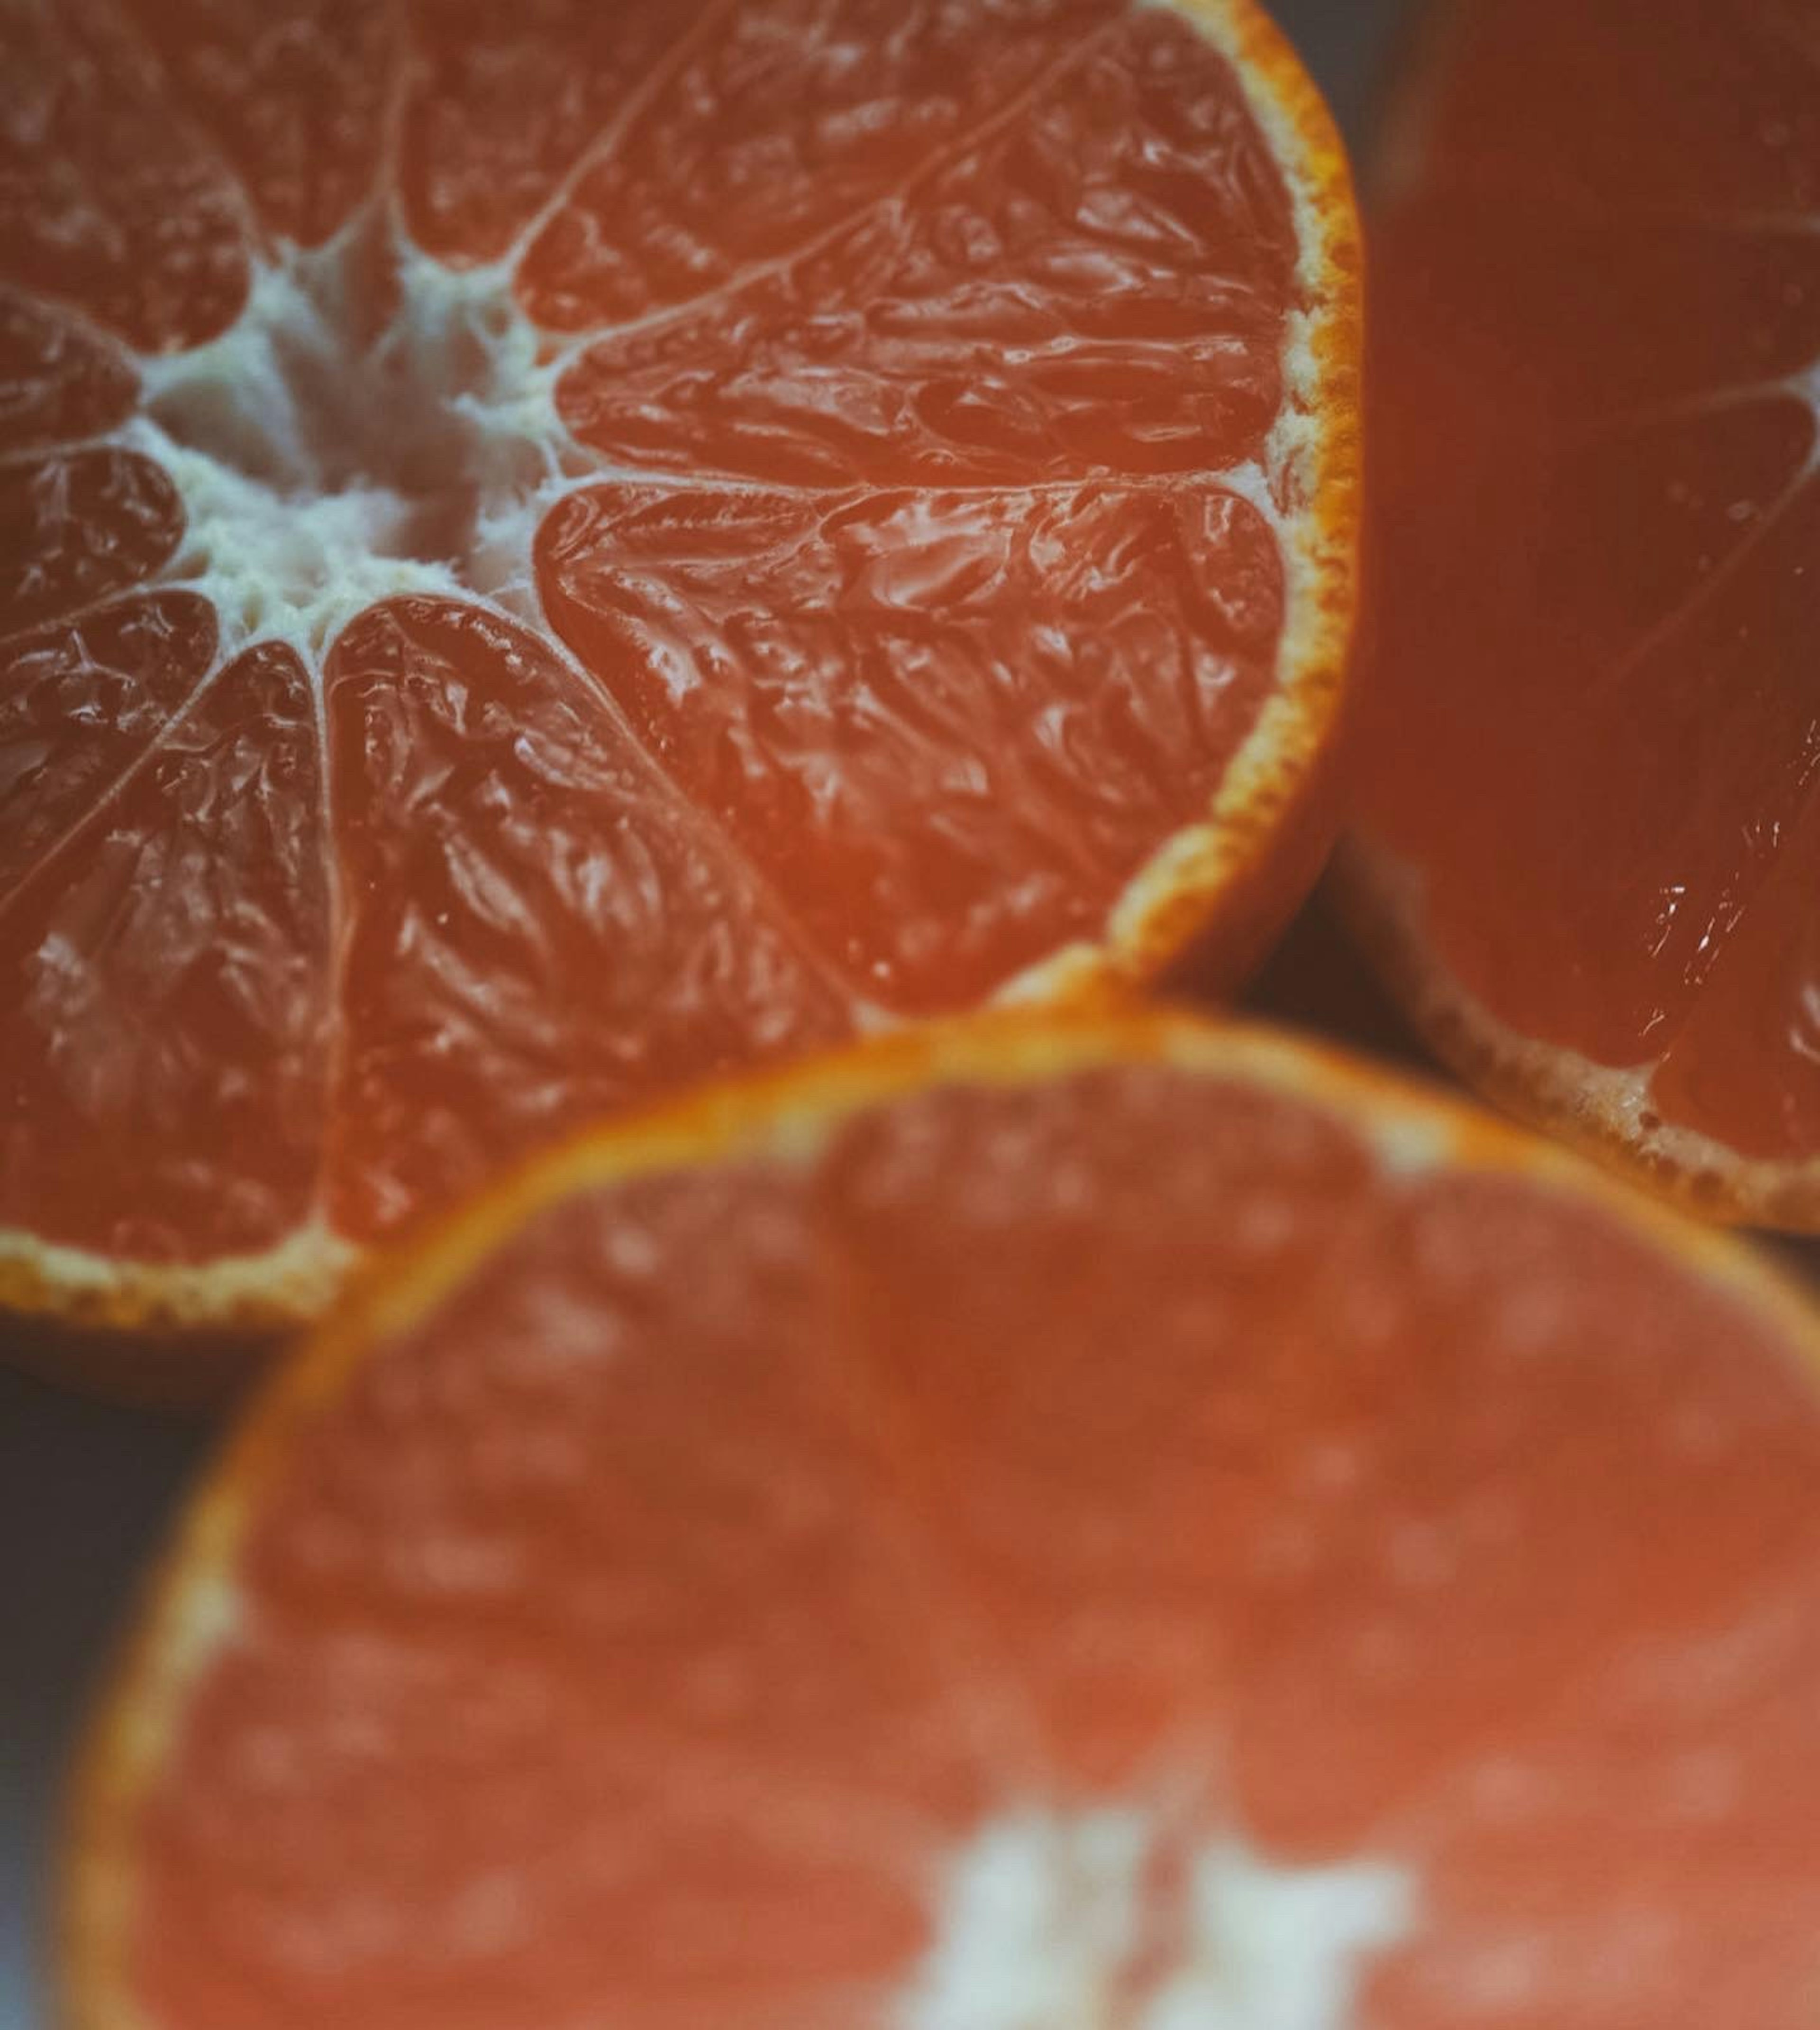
x=924, y=619
x=1594, y=732
x=642, y=1632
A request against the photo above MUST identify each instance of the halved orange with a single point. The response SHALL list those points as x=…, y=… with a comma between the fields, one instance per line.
x=552, y=547
x=1120, y=1524
x=1589, y=843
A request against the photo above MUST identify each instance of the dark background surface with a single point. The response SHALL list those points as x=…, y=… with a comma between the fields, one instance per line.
x=85, y=1491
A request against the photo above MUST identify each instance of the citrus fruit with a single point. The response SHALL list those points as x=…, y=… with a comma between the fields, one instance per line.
x=549, y=548
x=1589, y=838
x=1118, y=1523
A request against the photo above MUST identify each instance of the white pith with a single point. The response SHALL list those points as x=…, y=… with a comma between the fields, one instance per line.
x=318, y=475
x=1108, y=1918
x=290, y=545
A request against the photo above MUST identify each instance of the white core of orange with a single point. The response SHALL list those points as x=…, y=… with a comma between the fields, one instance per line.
x=1110, y=1919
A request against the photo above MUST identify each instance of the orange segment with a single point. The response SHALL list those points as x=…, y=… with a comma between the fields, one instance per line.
x=164, y=972
x=1037, y=1524
x=535, y=926
x=1718, y=117
x=474, y=169
x=111, y=204
x=821, y=116
x=123, y=674
x=1098, y=281
x=1590, y=744
x=60, y=381
x=294, y=93
x=960, y=719
x=1527, y=1492
x=787, y=516
x=77, y=526
x=1640, y=1784
x=1029, y=1385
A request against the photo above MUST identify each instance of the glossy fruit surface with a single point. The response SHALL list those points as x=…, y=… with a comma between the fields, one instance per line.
x=1590, y=840
x=549, y=549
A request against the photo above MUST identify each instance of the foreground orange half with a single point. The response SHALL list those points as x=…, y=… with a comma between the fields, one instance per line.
x=1118, y=1525
x=548, y=549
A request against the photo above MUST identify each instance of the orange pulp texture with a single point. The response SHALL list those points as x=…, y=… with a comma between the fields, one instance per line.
x=839, y=482
x=1595, y=726
x=644, y=1601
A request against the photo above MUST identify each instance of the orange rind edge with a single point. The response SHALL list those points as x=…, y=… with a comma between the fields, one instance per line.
x=1603, y=1113
x=1593, y=1109
x=1241, y=870
x=269, y=1292
x=782, y=1114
